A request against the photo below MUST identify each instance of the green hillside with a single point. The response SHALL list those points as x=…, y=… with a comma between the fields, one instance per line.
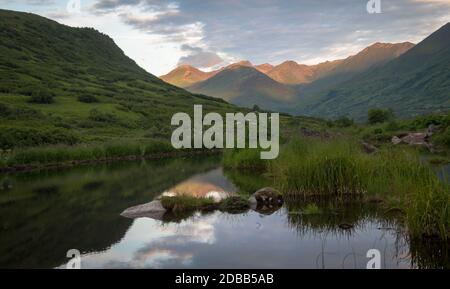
x=415, y=83
x=67, y=85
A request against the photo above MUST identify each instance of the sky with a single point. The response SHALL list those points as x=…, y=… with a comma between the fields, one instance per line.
x=160, y=34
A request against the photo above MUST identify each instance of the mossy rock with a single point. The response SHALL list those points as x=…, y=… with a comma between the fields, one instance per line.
x=235, y=205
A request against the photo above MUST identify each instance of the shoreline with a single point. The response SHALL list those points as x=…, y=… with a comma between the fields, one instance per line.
x=75, y=163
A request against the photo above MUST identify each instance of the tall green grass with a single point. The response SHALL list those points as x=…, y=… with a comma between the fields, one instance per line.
x=317, y=168
x=244, y=159
x=339, y=168
x=83, y=152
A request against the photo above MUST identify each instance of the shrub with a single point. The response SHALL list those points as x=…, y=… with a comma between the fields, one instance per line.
x=344, y=121
x=4, y=110
x=86, y=98
x=377, y=115
x=26, y=137
x=99, y=116
x=443, y=138
x=41, y=96
x=392, y=126
x=424, y=121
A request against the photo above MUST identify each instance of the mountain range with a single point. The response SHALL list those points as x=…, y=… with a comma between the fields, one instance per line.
x=409, y=79
x=416, y=82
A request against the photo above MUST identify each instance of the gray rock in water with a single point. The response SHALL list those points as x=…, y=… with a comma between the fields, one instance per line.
x=153, y=210
x=252, y=202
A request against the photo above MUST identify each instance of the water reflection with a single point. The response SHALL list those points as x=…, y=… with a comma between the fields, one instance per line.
x=44, y=214
x=219, y=240
x=211, y=184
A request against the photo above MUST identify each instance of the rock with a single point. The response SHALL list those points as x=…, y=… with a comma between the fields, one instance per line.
x=252, y=202
x=312, y=133
x=309, y=133
x=396, y=140
x=153, y=210
x=266, y=201
x=368, y=148
x=431, y=129
x=417, y=138
x=268, y=196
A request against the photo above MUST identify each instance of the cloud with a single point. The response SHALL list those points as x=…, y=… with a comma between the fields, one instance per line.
x=257, y=30
x=273, y=31
x=199, y=58
x=30, y=2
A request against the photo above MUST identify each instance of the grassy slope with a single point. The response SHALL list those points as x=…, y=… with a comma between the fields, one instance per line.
x=40, y=55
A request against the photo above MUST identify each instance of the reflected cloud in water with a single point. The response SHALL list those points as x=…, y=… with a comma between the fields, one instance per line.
x=219, y=240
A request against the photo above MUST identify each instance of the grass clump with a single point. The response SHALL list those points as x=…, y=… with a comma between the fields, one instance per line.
x=184, y=203
x=428, y=211
x=234, y=205
x=309, y=167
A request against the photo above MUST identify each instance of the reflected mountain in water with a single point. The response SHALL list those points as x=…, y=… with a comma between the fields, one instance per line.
x=211, y=184
x=43, y=214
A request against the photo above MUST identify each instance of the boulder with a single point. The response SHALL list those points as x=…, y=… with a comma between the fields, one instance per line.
x=269, y=202
x=396, y=140
x=312, y=133
x=417, y=138
x=153, y=210
x=431, y=129
x=267, y=196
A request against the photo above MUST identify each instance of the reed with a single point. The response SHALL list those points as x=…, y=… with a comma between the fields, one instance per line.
x=340, y=169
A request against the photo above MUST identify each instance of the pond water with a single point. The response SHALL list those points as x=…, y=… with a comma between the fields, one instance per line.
x=44, y=214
